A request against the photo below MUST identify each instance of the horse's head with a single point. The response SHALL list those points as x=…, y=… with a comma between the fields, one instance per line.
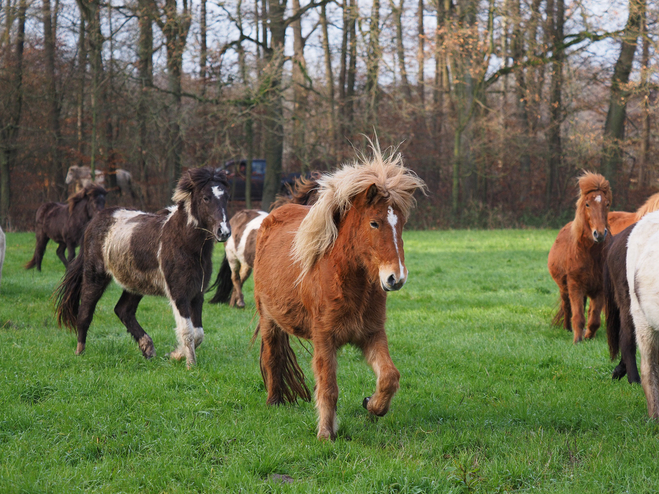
x=370, y=202
x=595, y=198
x=204, y=195
x=93, y=198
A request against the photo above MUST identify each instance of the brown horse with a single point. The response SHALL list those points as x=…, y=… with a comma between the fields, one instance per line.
x=159, y=254
x=576, y=259
x=65, y=223
x=240, y=249
x=619, y=220
x=347, y=253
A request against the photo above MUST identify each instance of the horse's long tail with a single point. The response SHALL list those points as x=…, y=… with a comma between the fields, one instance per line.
x=282, y=375
x=223, y=284
x=612, y=313
x=67, y=294
x=558, y=318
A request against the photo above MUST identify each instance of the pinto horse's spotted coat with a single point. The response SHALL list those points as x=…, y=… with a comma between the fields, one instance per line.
x=165, y=254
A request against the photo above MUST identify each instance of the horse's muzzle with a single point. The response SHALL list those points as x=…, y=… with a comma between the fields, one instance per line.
x=222, y=235
x=599, y=237
x=391, y=284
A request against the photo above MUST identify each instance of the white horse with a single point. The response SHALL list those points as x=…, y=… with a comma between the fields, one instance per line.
x=643, y=281
x=81, y=176
x=3, y=247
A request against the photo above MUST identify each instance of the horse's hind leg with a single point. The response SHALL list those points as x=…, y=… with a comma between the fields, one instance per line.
x=71, y=251
x=238, y=282
x=628, y=347
x=93, y=286
x=61, y=247
x=648, y=345
x=576, y=304
x=125, y=311
x=327, y=389
x=566, y=309
x=377, y=355
x=39, y=251
x=594, y=315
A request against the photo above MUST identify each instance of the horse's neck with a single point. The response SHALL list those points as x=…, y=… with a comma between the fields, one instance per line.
x=186, y=233
x=348, y=259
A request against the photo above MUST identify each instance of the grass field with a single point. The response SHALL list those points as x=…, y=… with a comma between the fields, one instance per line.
x=492, y=398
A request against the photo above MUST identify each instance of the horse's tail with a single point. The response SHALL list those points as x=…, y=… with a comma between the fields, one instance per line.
x=558, y=318
x=67, y=294
x=281, y=362
x=42, y=240
x=612, y=314
x=223, y=284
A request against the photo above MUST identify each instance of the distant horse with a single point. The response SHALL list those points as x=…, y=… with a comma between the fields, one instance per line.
x=620, y=332
x=346, y=253
x=151, y=254
x=3, y=248
x=643, y=283
x=65, y=223
x=240, y=249
x=81, y=176
x=619, y=220
x=576, y=259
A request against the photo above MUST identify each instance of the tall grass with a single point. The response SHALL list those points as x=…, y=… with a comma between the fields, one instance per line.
x=492, y=398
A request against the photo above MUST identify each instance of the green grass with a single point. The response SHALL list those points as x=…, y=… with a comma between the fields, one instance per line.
x=492, y=398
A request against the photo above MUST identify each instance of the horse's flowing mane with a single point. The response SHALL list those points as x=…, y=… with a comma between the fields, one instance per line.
x=588, y=182
x=90, y=190
x=302, y=191
x=395, y=184
x=652, y=204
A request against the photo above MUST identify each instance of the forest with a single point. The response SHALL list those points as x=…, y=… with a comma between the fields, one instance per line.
x=497, y=104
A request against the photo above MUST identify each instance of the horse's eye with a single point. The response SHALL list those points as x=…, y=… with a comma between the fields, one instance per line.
x=587, y=205
x=374, y=224
x=207, y=199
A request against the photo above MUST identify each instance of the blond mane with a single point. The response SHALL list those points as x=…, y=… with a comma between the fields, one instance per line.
x=652, y=204
x=588, y=182
x=395, y=184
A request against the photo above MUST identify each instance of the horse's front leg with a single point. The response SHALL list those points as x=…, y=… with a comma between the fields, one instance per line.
x=327, y=389
x=185, y=332
x=71, y=251
x=594, y=315
x=376, y=351
x=577, y=307
x=60, y=253
x=197, y=305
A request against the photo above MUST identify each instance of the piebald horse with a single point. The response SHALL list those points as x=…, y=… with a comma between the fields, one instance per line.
x=151, y=254
x=347, y=254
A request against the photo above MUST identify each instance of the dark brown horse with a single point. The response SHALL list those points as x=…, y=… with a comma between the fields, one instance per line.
x=240, y=249
x=347, y=253
x=576, y=259
x=620, y=331
x=151, y=254
x=65, y=223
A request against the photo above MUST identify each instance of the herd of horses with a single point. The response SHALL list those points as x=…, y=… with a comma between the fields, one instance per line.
x=324, y=259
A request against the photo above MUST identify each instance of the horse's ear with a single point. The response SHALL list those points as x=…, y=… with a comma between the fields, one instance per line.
x=371, y=194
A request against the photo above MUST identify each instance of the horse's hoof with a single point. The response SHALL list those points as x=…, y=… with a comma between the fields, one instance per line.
x=146, y=346
x=326, y=435
x=365, y=402
x=618, y=373
x=80, y=349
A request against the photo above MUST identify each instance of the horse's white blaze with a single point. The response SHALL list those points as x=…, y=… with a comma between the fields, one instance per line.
x=253, y=225
x=217, y=192
x=225, y=228
x=598, y=198
x=392, y=218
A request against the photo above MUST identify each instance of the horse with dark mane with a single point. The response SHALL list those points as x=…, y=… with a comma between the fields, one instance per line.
x=240, y=249
x=167, y=255
x=620, y=332
x=347, y=253
x=576, y=259
x=65, y=223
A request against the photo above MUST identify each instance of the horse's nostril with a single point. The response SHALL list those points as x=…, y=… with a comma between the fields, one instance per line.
x=391, y=281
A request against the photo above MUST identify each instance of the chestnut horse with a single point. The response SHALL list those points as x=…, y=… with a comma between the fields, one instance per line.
x=643, y=283
x=619, y=220
x=240, y=249
x=151, y=254
x=576, y=259
x=347, y=253
x=65, y=223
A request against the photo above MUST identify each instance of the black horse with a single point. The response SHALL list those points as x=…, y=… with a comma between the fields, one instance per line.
x=65, y=223
x=151, y=254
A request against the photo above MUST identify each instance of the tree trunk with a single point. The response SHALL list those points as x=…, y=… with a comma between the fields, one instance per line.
x=145, y=72
x=203, y=49
x=57, y=190
x=397, y=11
x=644, y=171
x=614, y=128
x=352, y=63
x=299, y=88
x=555, y=22
x=373, y=63
x=80, y=103
x=10, y=121
x=420, y=54
x=329, y=79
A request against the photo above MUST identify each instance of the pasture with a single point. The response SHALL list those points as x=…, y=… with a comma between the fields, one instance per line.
x=492, y=398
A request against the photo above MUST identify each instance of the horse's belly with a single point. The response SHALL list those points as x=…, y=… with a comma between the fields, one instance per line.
x=144, y=283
